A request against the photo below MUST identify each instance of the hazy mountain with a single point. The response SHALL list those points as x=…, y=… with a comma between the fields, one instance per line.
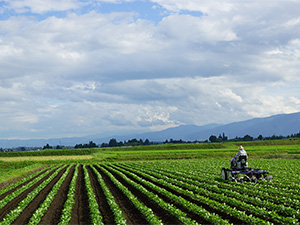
x=283, y=124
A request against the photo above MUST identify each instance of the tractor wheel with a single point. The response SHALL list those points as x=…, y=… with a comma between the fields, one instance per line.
x=224, y=174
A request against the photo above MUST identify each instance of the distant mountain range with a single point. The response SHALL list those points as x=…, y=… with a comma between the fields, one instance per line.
x=282, y=124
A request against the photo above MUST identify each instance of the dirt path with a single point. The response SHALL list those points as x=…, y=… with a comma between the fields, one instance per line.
x=132, y=214
x=106, y=212
x=81, y=211
x=53, y=214
x=13, y=204
x=35, y=203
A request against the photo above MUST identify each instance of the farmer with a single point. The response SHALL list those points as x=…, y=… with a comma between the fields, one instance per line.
x=241, y=152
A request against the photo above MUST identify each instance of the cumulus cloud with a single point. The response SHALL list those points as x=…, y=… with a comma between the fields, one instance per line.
x=69, y=61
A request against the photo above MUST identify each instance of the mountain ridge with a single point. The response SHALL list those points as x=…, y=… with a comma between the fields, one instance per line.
x=280, y=124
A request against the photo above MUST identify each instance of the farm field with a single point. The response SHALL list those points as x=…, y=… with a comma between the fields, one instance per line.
x=152, y=192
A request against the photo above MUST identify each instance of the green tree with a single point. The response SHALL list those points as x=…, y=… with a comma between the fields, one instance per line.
x=213, y=138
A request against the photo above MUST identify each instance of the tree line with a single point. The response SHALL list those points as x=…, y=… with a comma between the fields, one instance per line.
x=135, y=142
x=224, y=138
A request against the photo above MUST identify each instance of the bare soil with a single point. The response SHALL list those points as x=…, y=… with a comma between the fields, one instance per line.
x=104, y=208
x=132, y=214
x=13, y=204
x=53, y=214
x=81, y=210
x=35, y=203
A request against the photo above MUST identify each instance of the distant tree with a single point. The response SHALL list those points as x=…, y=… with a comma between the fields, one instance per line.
x=47, y=146
x=224, y=138
x=219, y=139
x=247, y=138
x=92, y=145
x=260, y=137
x=112, y=142
x=213, y=138
x=147, y=142
x=78, y=146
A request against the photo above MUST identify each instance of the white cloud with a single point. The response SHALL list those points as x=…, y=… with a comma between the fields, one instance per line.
x=116, y=71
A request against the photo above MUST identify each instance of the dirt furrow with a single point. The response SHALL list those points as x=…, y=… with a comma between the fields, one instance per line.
x=35, y=203
x=13, y=204
x=53, y=214
x=231, y=219
x=132, y=214
x=106, y=212
x=164, y=215
x=81, y=211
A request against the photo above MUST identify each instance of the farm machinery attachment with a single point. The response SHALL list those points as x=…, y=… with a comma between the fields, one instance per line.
x=245, y=174
x=240, y=172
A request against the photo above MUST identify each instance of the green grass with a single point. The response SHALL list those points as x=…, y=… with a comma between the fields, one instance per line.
x=9, y=171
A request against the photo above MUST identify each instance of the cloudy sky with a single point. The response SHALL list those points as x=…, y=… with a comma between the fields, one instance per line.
x=81, y=67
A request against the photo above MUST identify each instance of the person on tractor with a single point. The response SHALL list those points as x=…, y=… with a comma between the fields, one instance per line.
x=239, y=161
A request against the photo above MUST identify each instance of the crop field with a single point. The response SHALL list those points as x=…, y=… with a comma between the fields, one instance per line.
x=153, y=192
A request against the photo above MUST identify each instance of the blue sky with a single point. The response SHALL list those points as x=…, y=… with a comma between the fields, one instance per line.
x=75, y=68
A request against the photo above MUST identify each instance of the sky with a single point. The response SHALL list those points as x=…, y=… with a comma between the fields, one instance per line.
x=71, y=68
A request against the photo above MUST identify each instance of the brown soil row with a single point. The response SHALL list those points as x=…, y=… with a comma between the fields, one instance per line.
x=3, y=185
x=13, y=204
x=104, y=208
x=224, y=215
x=35, y=203
x=81, y=212
x=132, y=214
x=53, y=214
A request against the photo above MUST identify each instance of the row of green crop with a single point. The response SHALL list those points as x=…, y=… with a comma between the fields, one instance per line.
x=14, y=194
x=272, y=191
x=176, y=183
x=69, y=203
x=203, y=213
x=147, y=212
x=252, y=196
x=39, y=213
x=119, y=216
x=177, y=213
x=25, y=179
x=13, y=214
x=93, y=205
x=204, y=200
x=219, y=195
